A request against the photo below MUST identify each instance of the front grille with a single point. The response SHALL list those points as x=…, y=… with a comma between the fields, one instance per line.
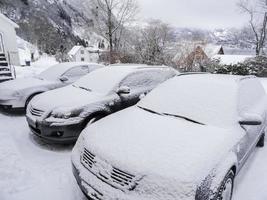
x=36, y=112
x=107, y=173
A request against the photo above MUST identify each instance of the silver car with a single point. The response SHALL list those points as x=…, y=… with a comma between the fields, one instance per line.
x=186, y=140
x=17, y=93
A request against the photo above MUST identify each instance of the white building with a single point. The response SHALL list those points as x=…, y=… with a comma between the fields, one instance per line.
x=8, y=40
x=84, y=54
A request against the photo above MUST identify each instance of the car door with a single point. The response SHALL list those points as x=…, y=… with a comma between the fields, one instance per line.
x=251, y=102
x=76, y=73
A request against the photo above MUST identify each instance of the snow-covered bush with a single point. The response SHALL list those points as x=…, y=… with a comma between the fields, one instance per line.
x=253, y=66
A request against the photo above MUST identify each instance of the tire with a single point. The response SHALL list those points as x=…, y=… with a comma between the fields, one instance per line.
x=94, y=119
x=29, y=99
x=225, y=191
x=261, y=141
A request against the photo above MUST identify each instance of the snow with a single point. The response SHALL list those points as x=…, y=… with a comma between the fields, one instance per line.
x=133, y=149
x=30, y=169
x=36, y=68
x=54, y=72
x=187, y=96
x=232, y=59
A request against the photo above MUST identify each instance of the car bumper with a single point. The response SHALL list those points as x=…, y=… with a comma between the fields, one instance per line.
x=55, y=134
x=11, y=103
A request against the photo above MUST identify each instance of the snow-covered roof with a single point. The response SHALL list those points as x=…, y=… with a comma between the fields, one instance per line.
x=238, y=51
x=212, y=49
x=8, y=20
x=232, y=59
x=74, y=50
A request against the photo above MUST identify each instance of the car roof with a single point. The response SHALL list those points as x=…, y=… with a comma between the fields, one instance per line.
x=219, y=77
x=68, y=65
x=138, y=66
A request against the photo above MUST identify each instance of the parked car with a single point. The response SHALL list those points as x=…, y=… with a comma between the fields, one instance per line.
x=60, y=115
x=185, y=140
x=18, y=93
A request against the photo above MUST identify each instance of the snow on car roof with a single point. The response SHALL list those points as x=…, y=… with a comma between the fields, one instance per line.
x=59, y=69
x=103, y=80
x=205, y=98
x=138, y=66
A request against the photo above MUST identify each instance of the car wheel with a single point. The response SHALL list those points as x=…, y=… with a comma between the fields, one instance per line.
x=261, y=141
x=29, y=99
x=226, y=189
x=94, y=119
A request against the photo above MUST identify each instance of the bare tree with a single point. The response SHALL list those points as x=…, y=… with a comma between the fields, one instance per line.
x=257, y=12
x=152, y=42
x=112, y=17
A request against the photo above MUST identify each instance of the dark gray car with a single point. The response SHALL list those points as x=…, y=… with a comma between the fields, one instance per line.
x=60, y=115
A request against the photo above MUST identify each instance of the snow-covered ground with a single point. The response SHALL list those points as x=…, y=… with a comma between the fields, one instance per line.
x=36, y=67
x=31, y=169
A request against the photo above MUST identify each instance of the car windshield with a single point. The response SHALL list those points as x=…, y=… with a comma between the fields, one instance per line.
x=54, y=72
x=201, y=99
x=102, y=81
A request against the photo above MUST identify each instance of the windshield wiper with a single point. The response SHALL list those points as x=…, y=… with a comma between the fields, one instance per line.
x=182, y=117
x=166, y=114
x=148, y=110
x=83, y=88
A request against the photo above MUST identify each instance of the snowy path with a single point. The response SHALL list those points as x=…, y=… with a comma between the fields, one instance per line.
x=29, y=169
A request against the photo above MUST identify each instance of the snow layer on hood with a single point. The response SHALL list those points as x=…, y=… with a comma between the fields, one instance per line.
x=146, y=143
x=24, y=83
x=65, y=97
x=208, y=99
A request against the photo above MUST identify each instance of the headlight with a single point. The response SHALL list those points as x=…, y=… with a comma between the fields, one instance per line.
x=65, y=114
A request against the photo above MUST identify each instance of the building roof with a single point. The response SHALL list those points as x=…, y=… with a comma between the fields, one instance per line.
x=212, y=49
x=74, y=50
x=2, y=16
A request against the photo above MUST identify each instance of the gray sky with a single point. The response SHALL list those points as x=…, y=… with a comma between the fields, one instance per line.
x=194, y=13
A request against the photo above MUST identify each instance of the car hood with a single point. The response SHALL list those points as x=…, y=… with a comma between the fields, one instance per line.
x=25, y=83
x=145, y=143
x=68, y=97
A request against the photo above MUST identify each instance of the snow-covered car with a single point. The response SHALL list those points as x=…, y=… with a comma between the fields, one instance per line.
x=185, y=140
x=17, y=93
x=60, y=115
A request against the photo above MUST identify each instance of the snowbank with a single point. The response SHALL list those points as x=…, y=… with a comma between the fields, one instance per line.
x=36, y=68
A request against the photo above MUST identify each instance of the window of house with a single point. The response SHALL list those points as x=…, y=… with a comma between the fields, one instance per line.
x=82, y=59
x=82, y=51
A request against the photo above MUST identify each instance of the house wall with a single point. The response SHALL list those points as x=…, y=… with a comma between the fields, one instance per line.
x=88, y=57
x=10, y=41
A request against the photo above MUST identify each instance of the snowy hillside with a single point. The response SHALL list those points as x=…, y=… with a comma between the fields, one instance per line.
x=64, y=22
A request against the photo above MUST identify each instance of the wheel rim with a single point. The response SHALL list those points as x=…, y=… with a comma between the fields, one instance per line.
x=227, y=190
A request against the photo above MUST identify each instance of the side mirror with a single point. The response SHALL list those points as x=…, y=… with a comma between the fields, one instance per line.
x=251, y=120
x=123, y=90
x=63, y=78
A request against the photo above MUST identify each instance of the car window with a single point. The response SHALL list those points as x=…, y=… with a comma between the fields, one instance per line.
x=253, y=89
x=77, y=71
x=147, y=78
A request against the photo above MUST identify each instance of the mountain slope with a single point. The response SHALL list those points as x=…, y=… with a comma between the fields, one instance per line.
x=53, y=24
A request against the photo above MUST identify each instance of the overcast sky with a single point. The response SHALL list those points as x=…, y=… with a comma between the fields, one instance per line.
x=194, y=13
